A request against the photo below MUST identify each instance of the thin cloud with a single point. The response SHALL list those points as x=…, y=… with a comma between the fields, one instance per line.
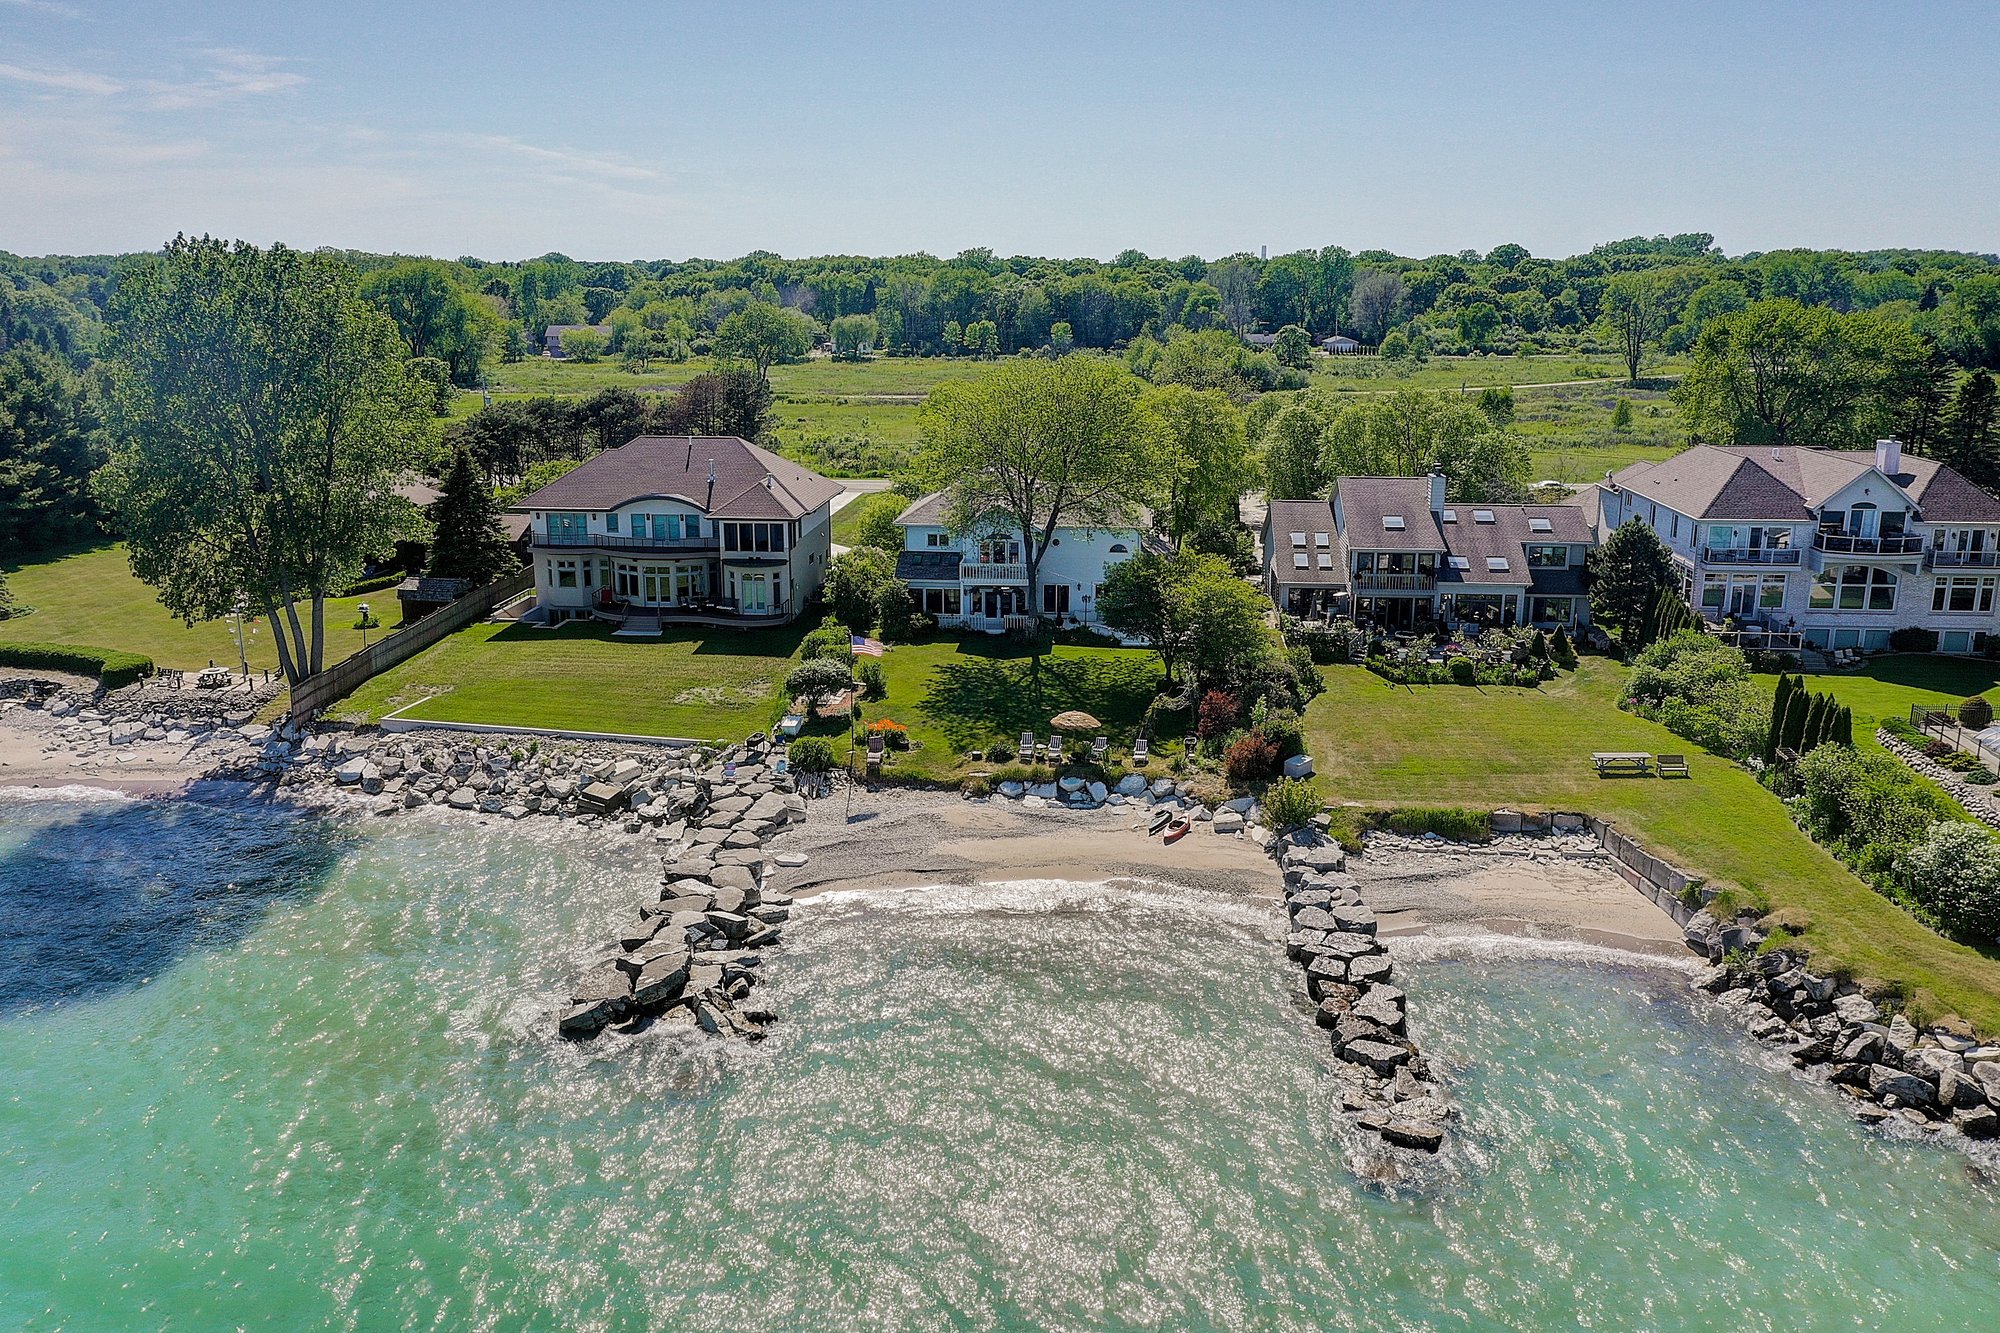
x=47, y=7
x=63, y=80
x=588, y=164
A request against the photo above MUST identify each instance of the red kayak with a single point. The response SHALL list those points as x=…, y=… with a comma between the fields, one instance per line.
x=1178, y=829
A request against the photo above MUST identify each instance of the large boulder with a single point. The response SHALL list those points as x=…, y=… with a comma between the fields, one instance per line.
x=662, y=979
x=1908, y=1090
x=1423, y=1135
x=1132, y=784
x=1379, y=1056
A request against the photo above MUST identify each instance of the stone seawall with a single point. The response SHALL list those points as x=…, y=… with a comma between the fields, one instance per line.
x=1978, y=801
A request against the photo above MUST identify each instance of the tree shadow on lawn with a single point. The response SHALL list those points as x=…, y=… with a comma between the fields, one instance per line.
x=983, y=696
x=1923, y=671
x=780, y=641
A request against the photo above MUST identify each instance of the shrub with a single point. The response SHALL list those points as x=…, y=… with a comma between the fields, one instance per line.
x=1000, y=752
x=1463, y=671
x=831, y=639
x=1700, y=688
x=901, y=618
x=1284, y=730
x=1866, y=807
x=821, y=676
x=875, y=679
x=1561, y=651
x=1254, y=758
x=1454, y=823
x=1975, y=714
x=376, y=584
x=113, y=669
x=894, y=734
x=1292, y=803
x=1954, y=871
x=1913, y=639
x=1216, y=715
x=1326, y=643
x=812, y=754
x=976, y=786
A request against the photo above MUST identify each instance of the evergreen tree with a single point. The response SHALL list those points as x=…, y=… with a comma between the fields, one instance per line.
x=1781, y=701
x=1626, y=574
x=8, y=606
x=1843, y=727
x=469, y=542
x=1967, y=442
x=1562, y=650
x=1795, y=721
x=1815, y=727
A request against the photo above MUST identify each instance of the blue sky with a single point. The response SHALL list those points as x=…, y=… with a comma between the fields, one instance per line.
x=615, y=131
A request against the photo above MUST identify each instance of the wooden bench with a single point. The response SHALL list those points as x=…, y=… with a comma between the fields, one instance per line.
x=1615, y=763
x=1673, y=766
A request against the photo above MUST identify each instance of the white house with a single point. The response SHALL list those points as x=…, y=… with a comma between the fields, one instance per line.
x=979, y=580
x=1835, y=548
x=1391, y=553
x=710, y=529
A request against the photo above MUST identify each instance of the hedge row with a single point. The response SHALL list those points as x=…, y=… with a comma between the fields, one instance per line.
x=111, y=667
x=377, y=584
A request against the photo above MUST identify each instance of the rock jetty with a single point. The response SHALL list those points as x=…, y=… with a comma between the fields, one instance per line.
x=1349, y=978
x=692, y=956
x=1937, y=1079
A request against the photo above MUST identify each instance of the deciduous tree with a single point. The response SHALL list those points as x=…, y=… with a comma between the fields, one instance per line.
x=261, y=413
x=1635, y=315
x=1203, y=457
x=1041, y=445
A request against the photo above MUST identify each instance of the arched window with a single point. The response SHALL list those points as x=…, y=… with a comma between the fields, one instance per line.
x=1119, y=548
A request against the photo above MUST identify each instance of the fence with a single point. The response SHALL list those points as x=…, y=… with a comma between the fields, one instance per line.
x=1659, y=880
x=314, y=693
x=1944, y=724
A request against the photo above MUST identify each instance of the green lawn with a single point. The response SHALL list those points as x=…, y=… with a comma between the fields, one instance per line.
x=1372, y=374
x=847, y=523
x=897, y=376
x=90, y=597
x=702, y=684
x=1379, y=744
x=1888, y=686
x=958, y=694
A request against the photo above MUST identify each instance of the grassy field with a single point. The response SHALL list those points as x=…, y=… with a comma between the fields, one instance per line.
x=894, y=376
x=847, y=523
x=959, y=694
x=1379, y=744
x=701, y=684
x=1373, y=375
x=1889, y=686
x=90, y=597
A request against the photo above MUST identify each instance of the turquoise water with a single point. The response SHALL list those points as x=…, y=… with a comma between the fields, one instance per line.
x=306, y=1082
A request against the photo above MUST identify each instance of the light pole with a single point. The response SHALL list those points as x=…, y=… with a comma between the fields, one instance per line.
x=363, y=609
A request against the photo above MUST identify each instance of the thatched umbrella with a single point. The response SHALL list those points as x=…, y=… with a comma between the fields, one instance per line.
x=1074, y=720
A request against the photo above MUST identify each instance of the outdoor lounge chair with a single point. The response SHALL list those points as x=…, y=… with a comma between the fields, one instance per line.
x=1672, y=765
x=1028, y=750
x=1139, y=751
x=1097, y=750
x=1055, y=749
x=877, y=747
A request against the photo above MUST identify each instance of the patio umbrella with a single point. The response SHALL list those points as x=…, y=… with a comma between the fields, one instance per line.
x=1074, y=720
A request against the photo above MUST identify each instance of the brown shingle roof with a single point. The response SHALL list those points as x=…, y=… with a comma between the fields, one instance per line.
x=1309, y=518
x=934, y=511
x=1366, y=501
x=1506, y=537
x=749, y=482
x=1786, y=483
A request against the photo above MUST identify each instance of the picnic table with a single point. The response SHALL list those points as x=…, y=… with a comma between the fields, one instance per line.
x=1621, y=761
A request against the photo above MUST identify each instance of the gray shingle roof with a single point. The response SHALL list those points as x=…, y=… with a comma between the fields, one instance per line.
x=928, y=566
x=749, y=482
x=934, y=511
x=1506, y=538
x=1310, y=517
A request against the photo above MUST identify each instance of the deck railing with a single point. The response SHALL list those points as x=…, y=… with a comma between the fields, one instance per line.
x=1948, y=559
x=1841, y=543
x=1750, y=555
x=561, y=541
x=1369, y=583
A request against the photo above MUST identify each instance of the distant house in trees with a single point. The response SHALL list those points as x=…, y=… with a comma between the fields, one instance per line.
x=1262, y=340
x=1340, y=345
x=552, y=339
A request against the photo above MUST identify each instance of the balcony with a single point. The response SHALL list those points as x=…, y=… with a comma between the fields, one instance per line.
x=1750, y=555
x=1903, y=547
x=1375, y=584
x=604, y=541
x=979, y=571
x=1942, y=559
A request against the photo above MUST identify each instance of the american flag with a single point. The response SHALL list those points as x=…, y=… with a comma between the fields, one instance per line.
x=864, y=646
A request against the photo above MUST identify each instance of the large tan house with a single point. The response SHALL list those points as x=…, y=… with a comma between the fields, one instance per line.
x=705, y=529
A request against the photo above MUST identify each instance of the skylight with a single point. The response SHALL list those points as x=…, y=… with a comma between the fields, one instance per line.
x=1322, y=540
x=1496, y=564
x=1460, y=562
x=1298, y=539
x=1325, y=560
x=1540, y=525
x=1451, y=516
x=1482, y=516
x=1393, y=522
x=1300, y=560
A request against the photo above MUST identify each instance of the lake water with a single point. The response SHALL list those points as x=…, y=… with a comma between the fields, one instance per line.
x=267, y=1071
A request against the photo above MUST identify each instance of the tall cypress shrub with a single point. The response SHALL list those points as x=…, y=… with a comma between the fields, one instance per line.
x=1843, y=727
x=1815, y=723
x=1781, y=700
x=1795, y=721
